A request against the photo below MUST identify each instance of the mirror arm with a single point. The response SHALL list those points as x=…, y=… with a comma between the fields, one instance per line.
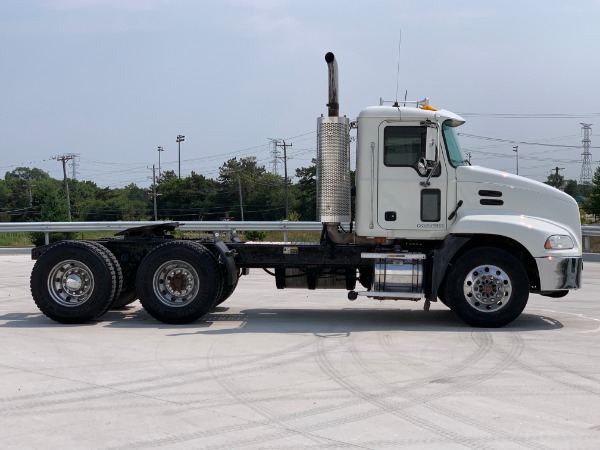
x=431, y=171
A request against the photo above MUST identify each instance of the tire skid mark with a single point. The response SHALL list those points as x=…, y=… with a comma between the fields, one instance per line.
x=483, y=340
x=484, y=343
x=439, y=443
x=392, y=389
x=115, y=387
x=562, y=368
x=240, y=396
x=266, y=437
x=483, y=348
x=388, y=407
x=323, y=424
x=265, y=395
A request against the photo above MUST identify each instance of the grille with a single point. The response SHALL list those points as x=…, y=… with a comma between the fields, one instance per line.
x=333, y=169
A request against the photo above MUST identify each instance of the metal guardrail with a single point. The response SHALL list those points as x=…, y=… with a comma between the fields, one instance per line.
x=216, y=226
x=221, y=226
x=588, y=232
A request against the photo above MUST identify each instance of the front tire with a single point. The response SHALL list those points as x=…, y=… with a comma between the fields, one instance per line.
x=554, y=294
x=178, y=282
x=487, y=287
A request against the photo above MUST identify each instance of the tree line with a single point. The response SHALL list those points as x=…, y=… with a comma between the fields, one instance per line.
x=587, y=195
x=31, y=195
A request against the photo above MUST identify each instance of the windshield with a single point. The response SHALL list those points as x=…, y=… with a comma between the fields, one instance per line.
x=457, y=157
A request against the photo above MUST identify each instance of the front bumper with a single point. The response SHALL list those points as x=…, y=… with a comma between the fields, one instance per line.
x=558, y=273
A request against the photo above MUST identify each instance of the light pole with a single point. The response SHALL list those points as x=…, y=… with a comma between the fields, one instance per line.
x=516, y=149
x=179, y=140
x=160, y=149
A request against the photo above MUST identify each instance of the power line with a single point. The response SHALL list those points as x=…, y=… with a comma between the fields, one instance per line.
x=529, y=115
x=509, y=141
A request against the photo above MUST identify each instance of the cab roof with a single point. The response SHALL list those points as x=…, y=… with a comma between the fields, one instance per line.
x=410, y=114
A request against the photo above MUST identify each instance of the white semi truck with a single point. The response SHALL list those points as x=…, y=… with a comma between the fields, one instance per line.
x=427, y=226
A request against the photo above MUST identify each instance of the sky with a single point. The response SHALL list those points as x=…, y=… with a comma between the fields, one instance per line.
x=111, y=80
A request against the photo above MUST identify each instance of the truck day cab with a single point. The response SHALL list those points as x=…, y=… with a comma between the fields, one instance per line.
x=427, y=226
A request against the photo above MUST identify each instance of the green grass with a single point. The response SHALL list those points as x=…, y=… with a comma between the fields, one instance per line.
x=24, y=239
x=14, y=240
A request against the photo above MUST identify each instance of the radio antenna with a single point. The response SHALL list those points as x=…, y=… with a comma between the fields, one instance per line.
x=398, y=69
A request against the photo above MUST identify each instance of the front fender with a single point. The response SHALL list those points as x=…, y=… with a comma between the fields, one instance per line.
x=530, y=232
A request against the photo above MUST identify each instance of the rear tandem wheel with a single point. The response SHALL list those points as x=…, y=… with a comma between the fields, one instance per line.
x=178, y=282
x=73, y=282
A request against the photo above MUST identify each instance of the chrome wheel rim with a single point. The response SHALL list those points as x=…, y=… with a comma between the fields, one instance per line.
x=487, y=288
x=176, y=283
x=70, y=283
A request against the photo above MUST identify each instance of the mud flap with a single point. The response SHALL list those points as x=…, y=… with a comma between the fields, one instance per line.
x=226, y=257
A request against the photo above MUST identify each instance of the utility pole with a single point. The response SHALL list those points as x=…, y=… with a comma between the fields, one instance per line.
x=516, y=149
x=64, y=159
x=240, y=192
x=285, y=146
x=29, y=186
x=556, y=169
x=160, y=149
x=179, y=140
x=237, y=174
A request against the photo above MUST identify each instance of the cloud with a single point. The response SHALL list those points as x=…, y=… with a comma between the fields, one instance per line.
x=260, y=5
x=126, y=5
x=472, y=14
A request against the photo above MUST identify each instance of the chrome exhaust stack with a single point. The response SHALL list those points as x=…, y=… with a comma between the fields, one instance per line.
x=333, y=105
x=333, y=161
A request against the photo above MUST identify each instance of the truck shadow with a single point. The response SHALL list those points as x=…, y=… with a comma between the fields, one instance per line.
x=349, y=320
x=222, y=320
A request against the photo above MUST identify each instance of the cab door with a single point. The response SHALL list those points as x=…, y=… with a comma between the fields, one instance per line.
x=406, y=204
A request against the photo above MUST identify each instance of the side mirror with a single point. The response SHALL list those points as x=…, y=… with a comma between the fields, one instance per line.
x=422, y=167
x=431, y=144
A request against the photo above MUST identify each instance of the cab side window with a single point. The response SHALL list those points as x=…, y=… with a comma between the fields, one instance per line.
x=403, y=146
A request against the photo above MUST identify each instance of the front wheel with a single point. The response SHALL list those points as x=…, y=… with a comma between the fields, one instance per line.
x=487, y=287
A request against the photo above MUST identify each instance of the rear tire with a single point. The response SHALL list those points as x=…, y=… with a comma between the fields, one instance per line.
x=73, y=282
x=118, y=272
x=127, y=296
x=487, y=287
x=226, y=292
x=178, y=282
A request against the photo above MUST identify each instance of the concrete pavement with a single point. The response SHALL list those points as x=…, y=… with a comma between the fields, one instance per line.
x=295, y=369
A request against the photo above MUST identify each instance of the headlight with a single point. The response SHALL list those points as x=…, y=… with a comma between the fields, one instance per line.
x=558, y=242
